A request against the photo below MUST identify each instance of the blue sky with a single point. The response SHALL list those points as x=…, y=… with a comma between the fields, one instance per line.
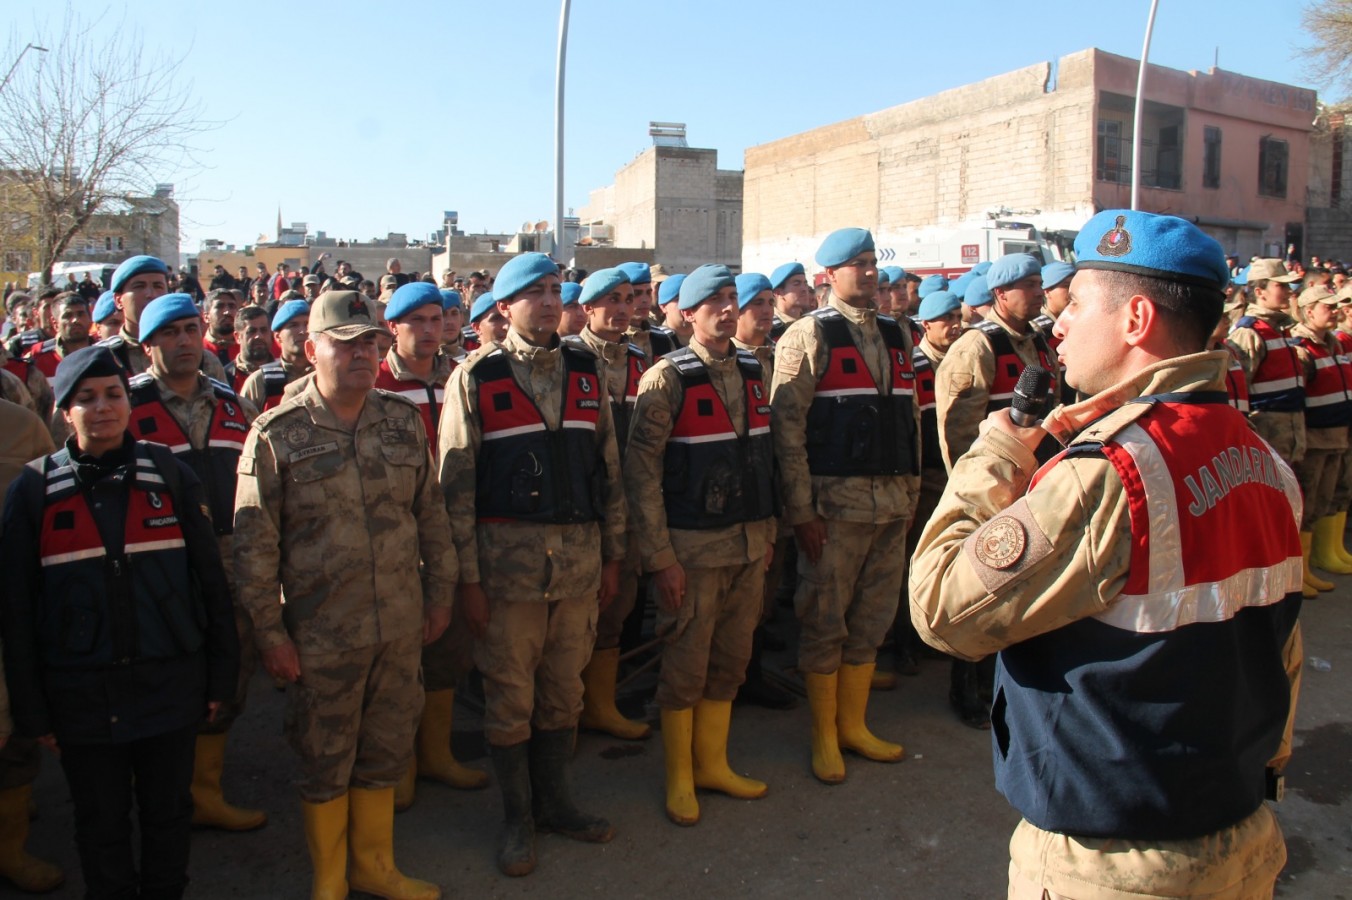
x=361, y=118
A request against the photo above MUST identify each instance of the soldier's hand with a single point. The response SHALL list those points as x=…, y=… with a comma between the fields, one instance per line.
x=213, y=707
x=610, y=583
x=769, y=555
x=670, y=584
x=436, y=619
x=1030, y=437
x=49, y=741
x=811, y=538
x=282, y=662
x=474, y=605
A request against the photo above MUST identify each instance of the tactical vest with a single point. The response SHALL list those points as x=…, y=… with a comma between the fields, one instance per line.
x=46, y=356
x=931, y=455
x=1327, y=401
x=526, y=472
x=853, y=426
x=429, y=398
x=1236, y=385
x=78, y=624
x=469, y=339
x=214, y=464
x=274, y=384
x=19, y=368
x=622, y=408
x=1155, y=718
x=711, y=477
x=1009, y=366
x=663, y=341
x=1278, y=383
x=778, y=327
x=226, y=353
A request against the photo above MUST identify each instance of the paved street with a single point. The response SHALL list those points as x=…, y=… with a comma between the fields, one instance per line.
x=932, y=826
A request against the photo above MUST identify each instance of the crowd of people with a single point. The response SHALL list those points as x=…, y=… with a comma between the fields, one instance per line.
x=372, y=488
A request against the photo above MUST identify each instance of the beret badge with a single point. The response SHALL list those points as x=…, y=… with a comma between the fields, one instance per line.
x=1117, y=240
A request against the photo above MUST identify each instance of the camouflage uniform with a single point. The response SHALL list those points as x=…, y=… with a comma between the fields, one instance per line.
x=1318, y=468
x=1342, y=492
x=42, y=400
x=847, y=600
x=1285, y=431
x=542, y=606
x=708, y=639
x=341, y=519
x=15, y=391
x=962, y=386
x=1073, y=566
x=128, y=350
x=255, y=386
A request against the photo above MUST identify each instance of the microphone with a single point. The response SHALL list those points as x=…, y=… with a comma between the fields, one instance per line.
x=1030, y=396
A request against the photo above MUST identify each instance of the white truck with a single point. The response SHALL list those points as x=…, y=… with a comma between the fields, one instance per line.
x=952, y=250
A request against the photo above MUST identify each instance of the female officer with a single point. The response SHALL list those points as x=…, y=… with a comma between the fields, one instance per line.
x=118, y=631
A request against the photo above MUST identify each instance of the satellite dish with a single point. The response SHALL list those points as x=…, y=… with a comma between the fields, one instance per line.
x=541, y=227
x=525, y=226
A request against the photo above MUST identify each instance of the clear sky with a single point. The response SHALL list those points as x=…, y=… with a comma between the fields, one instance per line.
x=362, y=118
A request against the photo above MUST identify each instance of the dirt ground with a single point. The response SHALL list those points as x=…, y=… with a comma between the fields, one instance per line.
x=930, y=827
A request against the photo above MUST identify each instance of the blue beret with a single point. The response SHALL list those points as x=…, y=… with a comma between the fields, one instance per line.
x=1124, y=240
x=288, y=311
x=451, y=299
x=1243, y=277
x=408, y=297
x=702, y=284
x=883, y=277
x=104, y=308
x=637, y=272
x=931, y=283
x=521, y=272
x=570, y=291
x=749, y=284
x=894, y=273
x=959, y=287
x=783, y=273
x=1053, y=273
x=977, y=293
x=163, y=310
x=602, y=282
x=939, y=303
x=843, y=245
x=481, y=307
x=1010, y=268
x=982, y=268
x=88, y=362
x=137, y=265
x=670, y=290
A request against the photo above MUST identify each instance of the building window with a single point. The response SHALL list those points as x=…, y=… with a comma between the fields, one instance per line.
x=108, y=243
x=1272, y=156
x=1111, y=166
x=1211, y=157
x=119, y=243
x=1168, y=159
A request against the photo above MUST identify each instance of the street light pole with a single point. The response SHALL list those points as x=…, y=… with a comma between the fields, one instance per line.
x=19, y=59
x=558, y=129
x=1140, y=107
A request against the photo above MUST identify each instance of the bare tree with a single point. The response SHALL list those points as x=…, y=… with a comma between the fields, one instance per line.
x=96, y=119
x=1328, y=27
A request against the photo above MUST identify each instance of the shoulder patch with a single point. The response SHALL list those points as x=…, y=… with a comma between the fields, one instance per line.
x=391, y=395
x=1006, y=546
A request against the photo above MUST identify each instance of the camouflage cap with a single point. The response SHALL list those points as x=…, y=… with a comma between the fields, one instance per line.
x=346, y=315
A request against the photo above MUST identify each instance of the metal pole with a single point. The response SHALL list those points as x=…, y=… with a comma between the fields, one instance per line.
x=558, y=129
x=18, y=59
x=1140, y=107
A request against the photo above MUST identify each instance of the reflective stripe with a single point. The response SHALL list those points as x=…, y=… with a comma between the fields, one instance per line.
x=850, y=392
x=763, y=429
x=1326, y=400
x=229, y=444
x=585, y=426
x=705, y=438
x=57, y=559
x=152, y=546
x=1009, y=396
x=1161, y=506
x=1272, y=387
x=512, y=432
x=1277, y=343
x=1217, y=601
x=54, y=487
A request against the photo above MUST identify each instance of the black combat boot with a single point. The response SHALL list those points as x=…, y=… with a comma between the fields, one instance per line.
x=516, y=843
x=551, y=799
x=964, y=698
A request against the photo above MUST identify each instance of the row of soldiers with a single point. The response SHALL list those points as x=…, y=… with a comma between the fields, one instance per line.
x=749, y=420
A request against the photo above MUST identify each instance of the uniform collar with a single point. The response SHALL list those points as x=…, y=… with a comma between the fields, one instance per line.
x=1277, y=318
x=526, y=352
x=867, y=315
x=711, y=359
x=441, y=368
x=610, y=351
x=935, y=355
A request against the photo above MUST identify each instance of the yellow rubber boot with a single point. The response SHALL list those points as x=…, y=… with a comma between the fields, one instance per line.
x=1312, y=581
x=598, y=699
x=678, y=744
x=852, y=700
x=406, y=791
x=1324, y=551
x=326, y=836
x=209, y=808
x=27, y=873
x=435, y=760
x=883, y=681
x=1340, y=530
x=370, y=846
x=827, y=764
x=713, y=719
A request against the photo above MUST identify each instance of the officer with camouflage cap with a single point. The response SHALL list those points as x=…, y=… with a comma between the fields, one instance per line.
x=607, y=300
x=700, y=479
x=1096, y=579
x=338, y=505
x=531, y=474
x=846, y=432
x=205, y=424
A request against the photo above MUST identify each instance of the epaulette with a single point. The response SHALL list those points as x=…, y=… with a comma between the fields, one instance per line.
x=661, y=329
x=485, y=351
x=635, y=350
x=223, y=390
x=391, y=395
x=825, y=312
x=137, y=382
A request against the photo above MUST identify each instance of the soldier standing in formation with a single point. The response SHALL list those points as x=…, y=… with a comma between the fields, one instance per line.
x=846, y=432
x=266, y=387
x=337, y=506
x=529, y=462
